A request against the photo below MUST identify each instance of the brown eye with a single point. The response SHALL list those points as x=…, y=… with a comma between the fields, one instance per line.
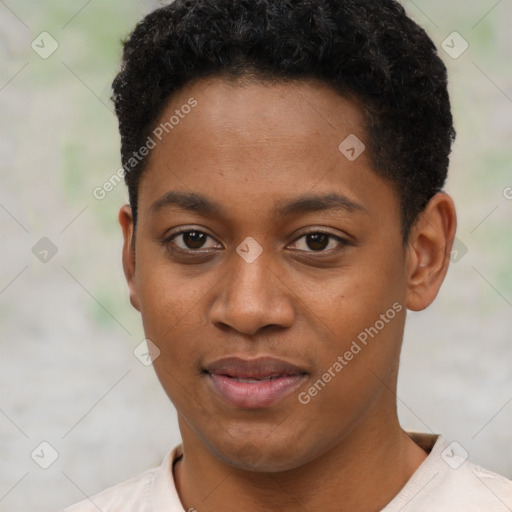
x=317, y=241
x=187, y=241
x=194, y=239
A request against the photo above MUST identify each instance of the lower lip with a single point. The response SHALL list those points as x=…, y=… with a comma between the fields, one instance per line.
x=254, y=395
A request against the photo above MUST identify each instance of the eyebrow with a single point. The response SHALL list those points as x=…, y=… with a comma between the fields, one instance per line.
x=307, y=203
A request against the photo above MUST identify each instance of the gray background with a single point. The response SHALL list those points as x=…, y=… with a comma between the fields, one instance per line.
x=67, y=331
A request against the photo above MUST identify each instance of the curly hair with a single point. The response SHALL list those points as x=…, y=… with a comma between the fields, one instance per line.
x=361, y=48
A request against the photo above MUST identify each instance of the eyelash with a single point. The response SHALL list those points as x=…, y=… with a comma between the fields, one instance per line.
x=167, y=242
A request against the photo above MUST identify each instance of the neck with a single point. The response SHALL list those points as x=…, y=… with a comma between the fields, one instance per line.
x=363, y=472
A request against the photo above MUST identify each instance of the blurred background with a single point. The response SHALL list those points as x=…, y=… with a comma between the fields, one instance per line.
x=78, y=411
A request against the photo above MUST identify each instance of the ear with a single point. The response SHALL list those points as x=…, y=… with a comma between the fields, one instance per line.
x=126, y=220
x=428, y=252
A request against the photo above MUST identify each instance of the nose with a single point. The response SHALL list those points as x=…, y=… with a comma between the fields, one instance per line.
x=253, y=296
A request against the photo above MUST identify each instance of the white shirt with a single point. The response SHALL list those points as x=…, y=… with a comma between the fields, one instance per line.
x=444, y=482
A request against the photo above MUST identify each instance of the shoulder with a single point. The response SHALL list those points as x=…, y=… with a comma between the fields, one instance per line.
x=447, y=480
x=132, y=493
x=154, y=489
x=471, y=487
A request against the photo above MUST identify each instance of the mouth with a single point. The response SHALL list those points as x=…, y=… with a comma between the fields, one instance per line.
x=254, y=383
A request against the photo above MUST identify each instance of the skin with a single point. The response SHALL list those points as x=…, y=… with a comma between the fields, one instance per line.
x=249, y=146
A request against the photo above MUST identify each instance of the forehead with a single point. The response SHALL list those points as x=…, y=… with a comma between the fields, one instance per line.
x=259, y=142
x=252, y=110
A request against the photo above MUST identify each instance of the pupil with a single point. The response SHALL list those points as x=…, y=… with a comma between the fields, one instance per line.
x=194, y=237
x=317, y=240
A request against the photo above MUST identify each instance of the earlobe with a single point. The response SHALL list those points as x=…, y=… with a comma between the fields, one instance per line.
x=428, y=252
x=128, y=255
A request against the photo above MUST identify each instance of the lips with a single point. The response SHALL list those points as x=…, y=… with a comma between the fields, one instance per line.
x=254, y=383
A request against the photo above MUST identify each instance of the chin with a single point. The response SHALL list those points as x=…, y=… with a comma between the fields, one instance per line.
x=260, y=456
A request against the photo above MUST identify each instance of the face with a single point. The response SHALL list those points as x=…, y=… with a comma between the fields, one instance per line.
x=257, y=237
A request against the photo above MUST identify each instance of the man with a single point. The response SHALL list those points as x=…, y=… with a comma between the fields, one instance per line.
x=285, y=163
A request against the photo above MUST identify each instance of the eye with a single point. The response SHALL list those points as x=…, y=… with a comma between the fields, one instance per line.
x=191, y=240
x=317, y=241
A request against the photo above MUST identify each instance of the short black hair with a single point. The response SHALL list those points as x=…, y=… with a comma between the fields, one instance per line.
x=366, y=49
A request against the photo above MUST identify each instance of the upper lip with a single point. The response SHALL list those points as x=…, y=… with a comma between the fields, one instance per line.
x=260, y=367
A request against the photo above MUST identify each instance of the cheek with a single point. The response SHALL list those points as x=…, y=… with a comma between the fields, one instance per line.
x=167, y=305
x=167, y=292
x=174, y=317
x=363, y=310
x=358, y=361
x=356, y=300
